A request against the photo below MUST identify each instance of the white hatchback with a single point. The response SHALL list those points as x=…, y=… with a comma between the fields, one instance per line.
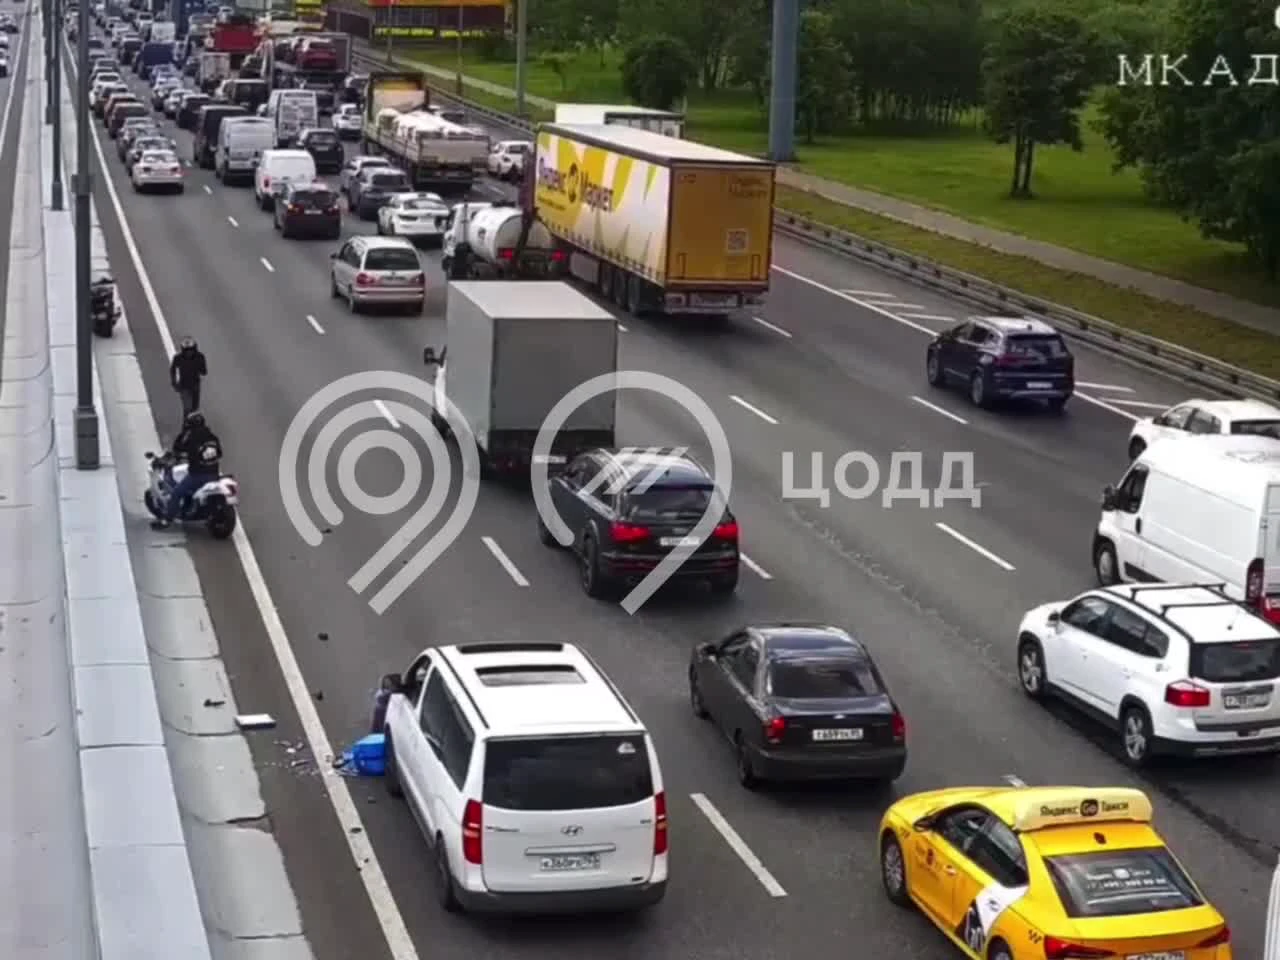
x=536, y=785
x=415, y=216
x=1200, y=417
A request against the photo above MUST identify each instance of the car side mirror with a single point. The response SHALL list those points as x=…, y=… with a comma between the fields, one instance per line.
x=923, y=825
x=1054, y=618
x=1110, y=498
x=429, y=357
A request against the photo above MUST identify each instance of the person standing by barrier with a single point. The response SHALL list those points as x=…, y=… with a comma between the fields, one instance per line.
x=186, y=370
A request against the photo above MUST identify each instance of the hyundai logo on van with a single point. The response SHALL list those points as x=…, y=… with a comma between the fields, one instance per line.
x=571, y=831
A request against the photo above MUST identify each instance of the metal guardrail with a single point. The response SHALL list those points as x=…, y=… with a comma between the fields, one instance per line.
x=1168, y=358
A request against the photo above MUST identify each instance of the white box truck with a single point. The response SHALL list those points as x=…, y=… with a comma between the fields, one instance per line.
x=513, y=350
x=598, y=114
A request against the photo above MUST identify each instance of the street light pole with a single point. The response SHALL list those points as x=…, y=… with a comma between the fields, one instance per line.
x=391, y=11
x=522, y=53
x=46, y=11
x=86, y=417
x=458, y=88
x=55, y=101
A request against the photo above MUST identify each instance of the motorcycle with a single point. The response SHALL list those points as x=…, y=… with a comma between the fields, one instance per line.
x=104, y=312
x=214, y=504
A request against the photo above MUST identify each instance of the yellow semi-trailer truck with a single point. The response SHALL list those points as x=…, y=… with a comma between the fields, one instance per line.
x=656, y=224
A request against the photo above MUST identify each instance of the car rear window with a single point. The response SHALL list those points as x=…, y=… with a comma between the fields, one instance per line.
x=391, y=259
x=1036, y=347
x=322, y=137
x=389, y=181
x=664, y=503
x=1121, y=883
x=316, y=199
x=567, y=773
x=830, y=679
x=1257, y=428
x=1245, y=661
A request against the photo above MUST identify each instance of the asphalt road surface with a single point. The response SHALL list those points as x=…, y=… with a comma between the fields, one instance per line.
x=834, y=363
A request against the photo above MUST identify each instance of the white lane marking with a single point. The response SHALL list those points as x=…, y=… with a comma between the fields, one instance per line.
x=875, y=294
x=904, y=307
x=233, y=221
x=267, y=263
x=737, y=845
x=315, y=324
x=876, y=308
x=386, y=414
x=208, y=189
x=23, y=47
x=1104, y=386
x=1107, y=406
x=937, y=409
x=754, y=409
x=1013, y=780
x=365, y=858
x=1142, y=403
x=507, y=563
x=621, y=328
x=939, y=318
x=976, y=547
x=769, y=326
x=754, y=567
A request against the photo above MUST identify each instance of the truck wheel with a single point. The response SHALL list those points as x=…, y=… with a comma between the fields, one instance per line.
x=621, y=285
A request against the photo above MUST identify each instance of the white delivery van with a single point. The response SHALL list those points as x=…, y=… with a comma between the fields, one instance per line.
x=276, y=170
x=241, y=143
x=1197, y=509
x=292, y=111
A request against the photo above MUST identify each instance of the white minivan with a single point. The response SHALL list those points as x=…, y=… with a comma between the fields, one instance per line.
x=276, y=170
x=534, y=782
x=241, y=143
x=1197, y=509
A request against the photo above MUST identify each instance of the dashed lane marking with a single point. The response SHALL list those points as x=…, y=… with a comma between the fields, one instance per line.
x=1104, y=386
x=267, y=263
x=315, y=324
x=507, y=563
x=940, y=411
x=976, y=547
x=753, y=409
x=386, y=414
x=1145, y=405
x=936, y=317
x=208, y=189
x=754, y=567
x=737, y=845
x=774, y=327
x=233, y=221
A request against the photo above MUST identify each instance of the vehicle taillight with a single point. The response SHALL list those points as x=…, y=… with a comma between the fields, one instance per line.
x=899, y=726
x=1218, y=939
x=144, y=169
x=418, y=280
x=266, y=180
x=1253, y=582
x=364, y=280
x=1005, y=360
x=726, y=531
x=557, y=256
x=628, y=533
x=473, y=833
x=506, y=253
x=294, y=208
x=1055, y=949
x=774, y=729
x=1184, y=693
x=659, y=823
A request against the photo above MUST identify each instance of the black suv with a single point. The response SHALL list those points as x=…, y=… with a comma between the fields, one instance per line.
x=627, y=509
x=308, y=210
x=1003, y=358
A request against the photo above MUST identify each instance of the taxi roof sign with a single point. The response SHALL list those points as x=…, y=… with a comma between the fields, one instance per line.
x=1058, y=807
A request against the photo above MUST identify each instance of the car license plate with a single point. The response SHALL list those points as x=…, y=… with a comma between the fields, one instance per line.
x=1245, y=701
x=560, y=863
x=1160, y=955
x=1038, y=385
x=849, y=733
x=678, y=541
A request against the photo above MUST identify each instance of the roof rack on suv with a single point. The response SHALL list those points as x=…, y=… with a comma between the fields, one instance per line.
x=1218, y=589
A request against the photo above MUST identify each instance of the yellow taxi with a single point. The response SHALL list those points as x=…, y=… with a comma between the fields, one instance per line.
x=1046, y=873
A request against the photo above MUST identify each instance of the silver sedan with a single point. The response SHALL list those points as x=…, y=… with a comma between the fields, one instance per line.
x=158, y=170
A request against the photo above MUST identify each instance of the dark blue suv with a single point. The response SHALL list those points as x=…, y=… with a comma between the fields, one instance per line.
x=1003, y=358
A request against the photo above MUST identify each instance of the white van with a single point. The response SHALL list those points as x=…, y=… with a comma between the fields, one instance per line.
x=1197, y=509
x=276, y=170
x=534, y=782
x=292, y=111
x=241, y=143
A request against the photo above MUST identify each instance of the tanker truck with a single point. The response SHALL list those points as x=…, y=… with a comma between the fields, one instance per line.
x=495, y=241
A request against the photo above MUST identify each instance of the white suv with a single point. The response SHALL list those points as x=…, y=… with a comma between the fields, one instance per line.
x=534, y=782
x=1249, y=417
x=506, y=159
x=1174, y=668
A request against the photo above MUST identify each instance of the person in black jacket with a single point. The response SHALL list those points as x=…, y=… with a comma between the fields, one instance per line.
x=200, y=448
x=185, y=373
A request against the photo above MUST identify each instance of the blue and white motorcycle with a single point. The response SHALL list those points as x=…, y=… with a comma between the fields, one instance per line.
x=214, y=504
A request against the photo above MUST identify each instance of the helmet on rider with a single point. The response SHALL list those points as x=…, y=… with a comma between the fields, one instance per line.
x=194, y=419
x=188, y=343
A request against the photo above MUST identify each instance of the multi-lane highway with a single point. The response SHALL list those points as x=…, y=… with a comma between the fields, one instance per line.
x=834, y=363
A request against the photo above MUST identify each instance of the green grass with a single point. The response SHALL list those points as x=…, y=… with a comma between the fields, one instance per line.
x=1079, y=203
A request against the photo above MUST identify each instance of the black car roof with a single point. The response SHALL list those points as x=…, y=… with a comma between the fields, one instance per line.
x=657, y=466
x=784, y=641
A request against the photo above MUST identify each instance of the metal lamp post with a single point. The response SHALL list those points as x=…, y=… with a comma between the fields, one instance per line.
x=391, y=15
x=55, y=106
x=522, y=53
x=86, y=417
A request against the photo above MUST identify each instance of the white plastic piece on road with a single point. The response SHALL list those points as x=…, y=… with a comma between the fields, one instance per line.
x=255, y=721
x=738, y=845
x=753, y=409
x=267, y=263
x=315, y=324
x=976, y=547
x=232, y=220
x=365, y=858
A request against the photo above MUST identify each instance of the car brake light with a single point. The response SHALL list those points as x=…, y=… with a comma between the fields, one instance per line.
x=1218, y=939
x=557, y=256
x=418, y=280
x=1055, y=949
x=294, y=208
x=472, y=832
x=364, y=280
x=726, y=531
x=506, y=253
x=1005, y=360
x=1184, y=693
x=899, y=726
x=266, y=181
x=1253, y=582
x=659, y=823
x=628, y=533
x=774, y=729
